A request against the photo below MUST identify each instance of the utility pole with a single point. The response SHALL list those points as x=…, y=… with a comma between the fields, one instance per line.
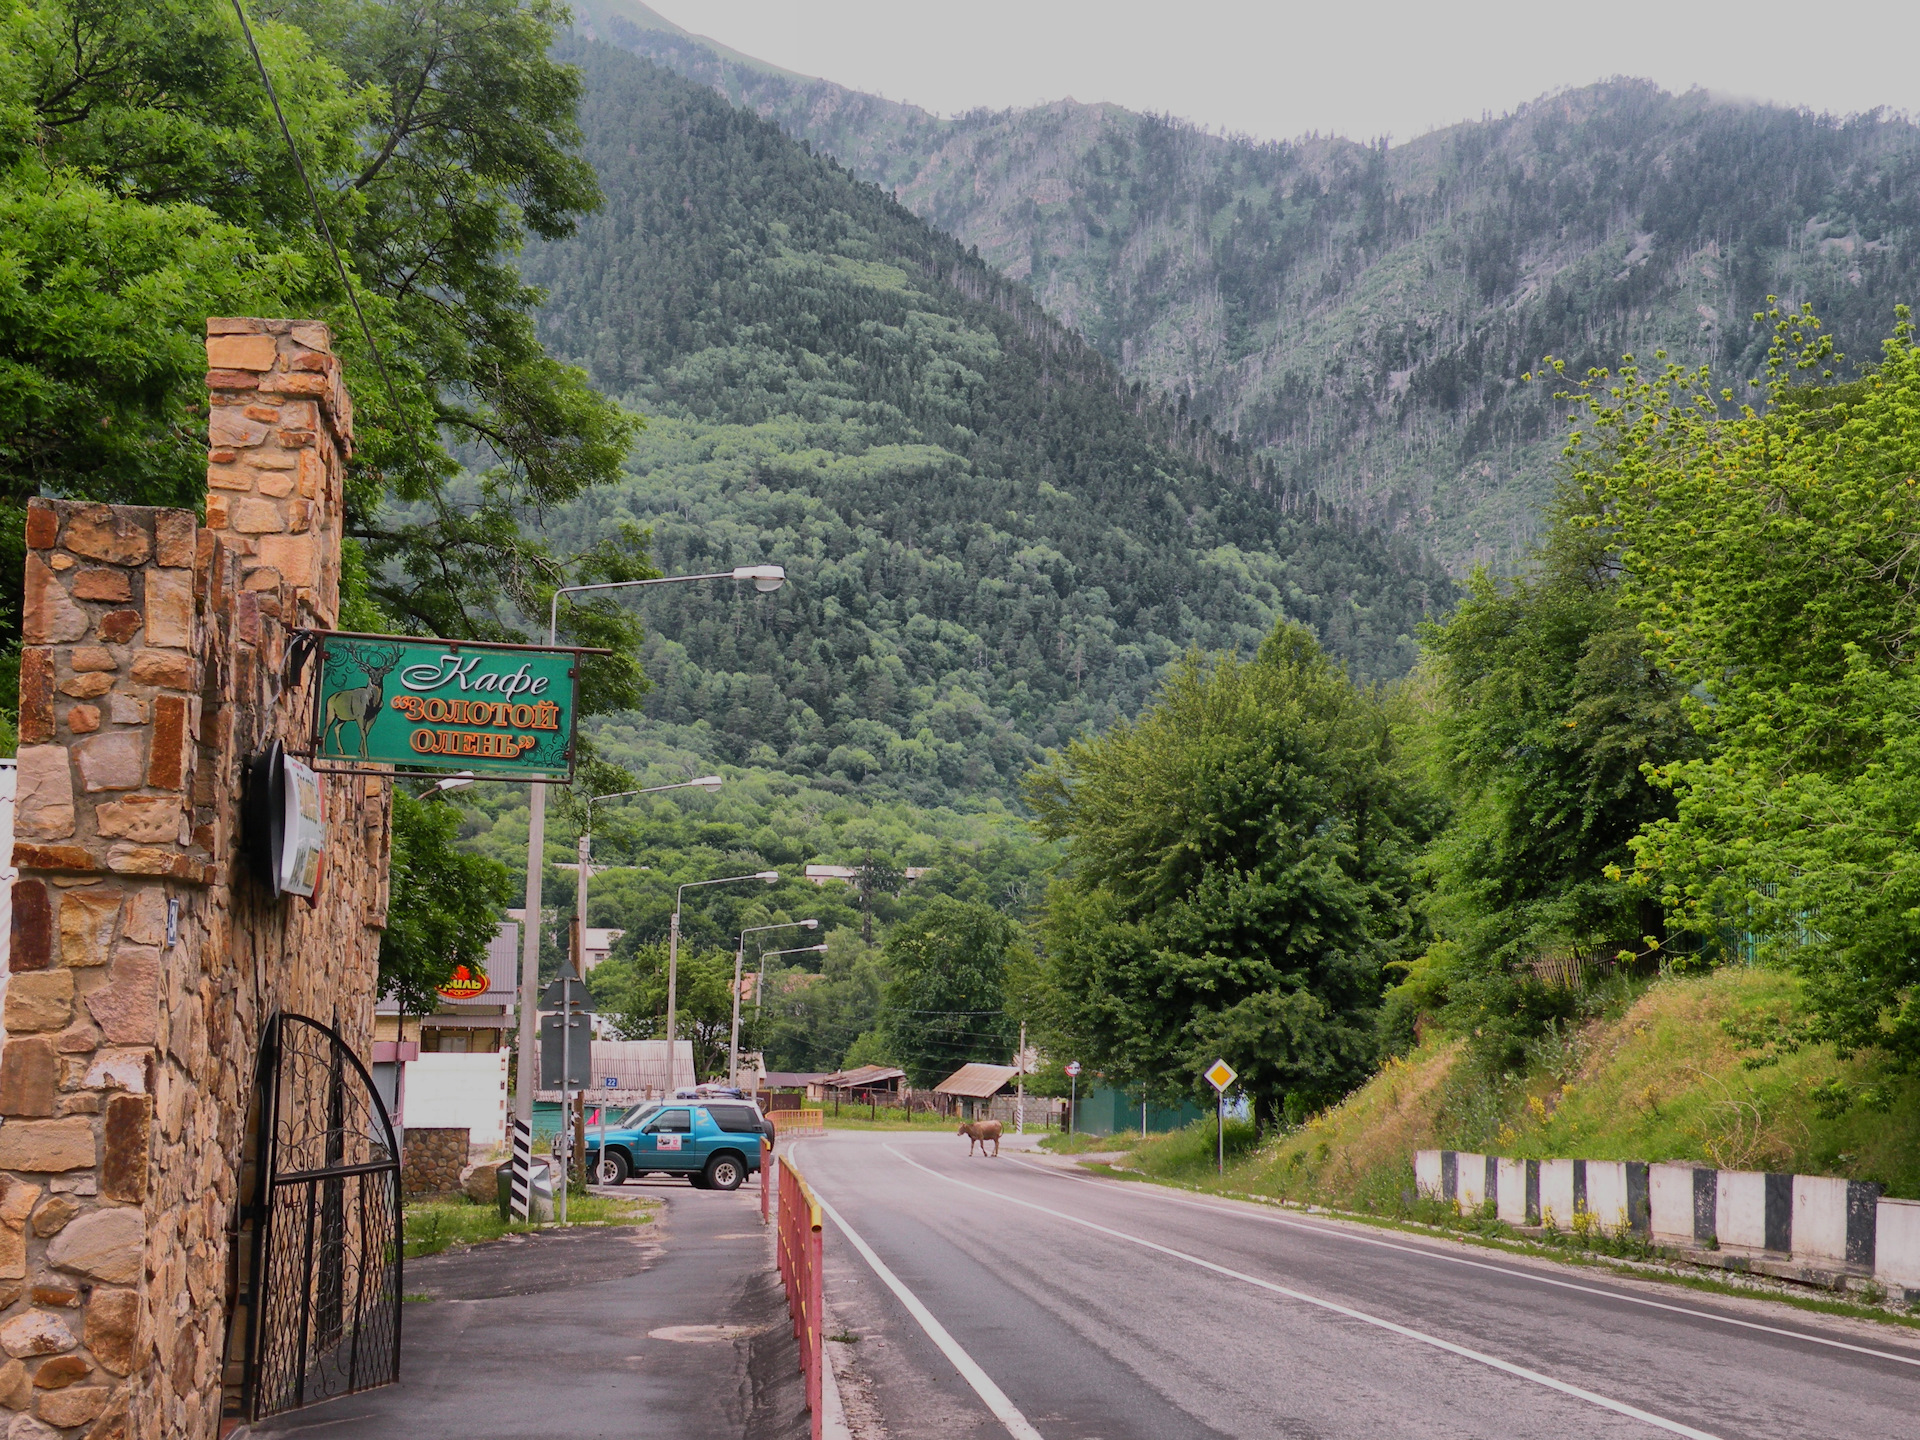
x=766, y=579
x=1020, y=1085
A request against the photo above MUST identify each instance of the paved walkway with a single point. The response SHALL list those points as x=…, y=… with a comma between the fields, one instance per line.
x=678, y=1328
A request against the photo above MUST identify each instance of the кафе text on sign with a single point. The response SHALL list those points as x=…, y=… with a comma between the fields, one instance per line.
x=502, y=710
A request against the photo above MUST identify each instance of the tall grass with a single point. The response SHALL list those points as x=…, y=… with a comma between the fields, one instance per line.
x=433, y=1225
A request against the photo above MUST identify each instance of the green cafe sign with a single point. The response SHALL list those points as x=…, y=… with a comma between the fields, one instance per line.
x=505, y=711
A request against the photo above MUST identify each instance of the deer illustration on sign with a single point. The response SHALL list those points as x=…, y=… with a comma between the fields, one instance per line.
x=360, y=706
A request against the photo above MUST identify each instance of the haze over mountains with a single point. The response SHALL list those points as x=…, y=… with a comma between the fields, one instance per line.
x=1361, y=315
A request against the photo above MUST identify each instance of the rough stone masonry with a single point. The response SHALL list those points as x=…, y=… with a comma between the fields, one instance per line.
x=144, y=960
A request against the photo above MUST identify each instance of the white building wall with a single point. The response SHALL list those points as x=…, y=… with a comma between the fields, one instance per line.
x=450, y=1091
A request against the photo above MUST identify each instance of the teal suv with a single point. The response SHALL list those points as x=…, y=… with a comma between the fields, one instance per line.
x=715, y=1152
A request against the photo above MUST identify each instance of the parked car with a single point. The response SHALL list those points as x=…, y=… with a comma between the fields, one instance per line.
x=715, y=1144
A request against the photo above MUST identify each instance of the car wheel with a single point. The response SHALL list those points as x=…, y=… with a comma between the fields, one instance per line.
x=698, y=1179
x=612, y=1169
x=725, y=1172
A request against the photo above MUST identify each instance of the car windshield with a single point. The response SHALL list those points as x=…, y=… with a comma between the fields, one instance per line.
x=671, y=1121
x=639, y=1112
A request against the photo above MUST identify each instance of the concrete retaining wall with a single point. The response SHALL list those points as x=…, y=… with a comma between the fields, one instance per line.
x=1804, y=1227
x=1681, y=1202
x=1834, y=1220
x=1517, y=1193
x=1753, y=1211
x=1426, y=1174
x=1470, y=1182
x=1896, y=1247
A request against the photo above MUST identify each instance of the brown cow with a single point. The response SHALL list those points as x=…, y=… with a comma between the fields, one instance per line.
x=979, y=1132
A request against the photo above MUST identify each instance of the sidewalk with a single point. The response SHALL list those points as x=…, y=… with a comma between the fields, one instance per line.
x=678, y=1328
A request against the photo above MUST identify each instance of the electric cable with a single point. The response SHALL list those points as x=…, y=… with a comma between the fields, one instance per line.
x=326, y=233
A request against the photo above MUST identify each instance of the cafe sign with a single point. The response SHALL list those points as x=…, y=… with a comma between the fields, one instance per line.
x=501, y=711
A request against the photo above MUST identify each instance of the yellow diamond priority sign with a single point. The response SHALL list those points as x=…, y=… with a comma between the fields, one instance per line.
x=1220, y=1074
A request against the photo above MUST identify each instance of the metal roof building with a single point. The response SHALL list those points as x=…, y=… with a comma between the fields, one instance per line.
x=977, y=1082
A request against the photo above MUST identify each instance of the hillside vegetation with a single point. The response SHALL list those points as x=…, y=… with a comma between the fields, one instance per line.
x=1658, y=1078
x=990, y=548
x=1361, y=312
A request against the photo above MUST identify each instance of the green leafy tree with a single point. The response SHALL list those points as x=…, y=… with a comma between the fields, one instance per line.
x=946, y=989
x=631, y=990
x=443, y=906
x=820, y=1020
x=1547, y=713
x=1768, y=549
x=144, y=184
x=1239, y=879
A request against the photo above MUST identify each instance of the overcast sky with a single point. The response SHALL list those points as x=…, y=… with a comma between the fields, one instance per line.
x=1281, y=69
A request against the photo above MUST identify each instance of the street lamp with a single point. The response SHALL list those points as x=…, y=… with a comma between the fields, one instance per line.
x=765, y=578
x=739, y=954
x=673, y=958
x=708, y=783
x=760, y=985
x=453, y=782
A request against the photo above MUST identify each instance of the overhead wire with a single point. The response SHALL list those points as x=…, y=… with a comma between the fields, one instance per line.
x=326, y=232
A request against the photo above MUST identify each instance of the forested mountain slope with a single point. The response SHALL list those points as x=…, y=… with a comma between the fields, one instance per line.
x=990, y=546
x=1362, y=313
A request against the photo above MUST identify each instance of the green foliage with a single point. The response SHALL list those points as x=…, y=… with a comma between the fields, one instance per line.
x=946, y=993
x=144, y=186
x=1769, y=553
x=1547, y=712
x=444, y=903
x=827, y=1018
x=630, y=987
x=991, y=547
x=1239, y=878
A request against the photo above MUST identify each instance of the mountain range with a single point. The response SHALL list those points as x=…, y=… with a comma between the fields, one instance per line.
x=1358, y=316
x=996, y=541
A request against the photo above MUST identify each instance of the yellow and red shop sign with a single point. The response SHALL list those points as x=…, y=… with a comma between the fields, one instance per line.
x=465, y=983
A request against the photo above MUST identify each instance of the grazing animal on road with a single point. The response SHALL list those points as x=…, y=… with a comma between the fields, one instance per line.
x=979, y=1132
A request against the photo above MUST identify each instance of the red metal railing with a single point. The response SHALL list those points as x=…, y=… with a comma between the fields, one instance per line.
x=798, y=1248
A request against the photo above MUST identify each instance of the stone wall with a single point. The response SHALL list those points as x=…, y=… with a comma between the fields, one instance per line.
x=431, y=1161
x=145, y=960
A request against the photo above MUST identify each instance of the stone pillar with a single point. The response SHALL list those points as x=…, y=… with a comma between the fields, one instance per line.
x=144, y=959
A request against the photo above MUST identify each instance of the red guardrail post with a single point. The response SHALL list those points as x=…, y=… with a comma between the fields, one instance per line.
x=817, y=1313
x=798, y=1250
x=766, y=1160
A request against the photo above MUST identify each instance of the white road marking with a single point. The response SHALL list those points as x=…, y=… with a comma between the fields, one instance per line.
x=1618, y=1407
x=1004, y=1410
x=1335, y=1232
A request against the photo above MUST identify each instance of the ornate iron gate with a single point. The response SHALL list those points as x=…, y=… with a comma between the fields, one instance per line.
x=320, y=1292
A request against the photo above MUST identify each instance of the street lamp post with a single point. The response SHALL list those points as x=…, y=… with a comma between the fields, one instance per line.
x=739, y=954
x=708, y=783
x=760, y=985
x=673, y=962
x=765, y=578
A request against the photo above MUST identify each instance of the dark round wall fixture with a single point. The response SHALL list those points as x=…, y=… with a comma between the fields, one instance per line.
x=264, y=814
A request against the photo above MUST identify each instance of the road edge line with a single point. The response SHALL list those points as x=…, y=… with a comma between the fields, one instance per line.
x=1494, y=1362
x=995, y=1399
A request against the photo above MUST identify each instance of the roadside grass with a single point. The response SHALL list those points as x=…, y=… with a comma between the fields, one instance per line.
x=1191, y=1152
x=1660, y=1079
x=857, y=1119
x=433, y=1225
x=1081, y=1143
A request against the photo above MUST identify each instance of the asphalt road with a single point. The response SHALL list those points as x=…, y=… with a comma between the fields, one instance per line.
x=1109, y=1309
